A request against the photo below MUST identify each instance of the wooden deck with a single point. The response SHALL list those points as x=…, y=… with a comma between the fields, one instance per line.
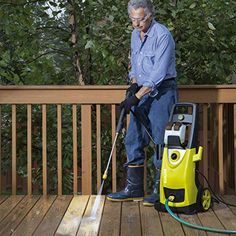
x=71, y=215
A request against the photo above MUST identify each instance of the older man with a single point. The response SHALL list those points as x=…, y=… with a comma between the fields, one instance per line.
x=154, y=91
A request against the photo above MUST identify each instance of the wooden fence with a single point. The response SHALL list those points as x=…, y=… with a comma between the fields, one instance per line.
x=217, y=131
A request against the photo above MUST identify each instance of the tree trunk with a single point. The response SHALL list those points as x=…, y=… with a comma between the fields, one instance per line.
x=74, y=36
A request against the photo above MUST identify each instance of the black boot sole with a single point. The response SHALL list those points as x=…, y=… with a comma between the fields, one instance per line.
x=135, y=199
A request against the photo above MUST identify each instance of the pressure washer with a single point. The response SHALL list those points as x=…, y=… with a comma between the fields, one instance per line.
x=180, y=162
x=180, y=188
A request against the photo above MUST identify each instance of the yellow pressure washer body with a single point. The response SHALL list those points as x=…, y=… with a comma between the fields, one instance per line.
x=179, y=178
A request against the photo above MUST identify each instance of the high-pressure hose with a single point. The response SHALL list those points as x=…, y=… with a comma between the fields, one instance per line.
x=210, y=229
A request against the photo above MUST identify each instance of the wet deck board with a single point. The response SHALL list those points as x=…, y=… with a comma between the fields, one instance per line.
x=71, y=215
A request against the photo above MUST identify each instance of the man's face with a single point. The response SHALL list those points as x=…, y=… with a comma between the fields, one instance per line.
x=140, y=21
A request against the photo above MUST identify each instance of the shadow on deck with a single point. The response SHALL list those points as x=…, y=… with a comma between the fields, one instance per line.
x=71, y=215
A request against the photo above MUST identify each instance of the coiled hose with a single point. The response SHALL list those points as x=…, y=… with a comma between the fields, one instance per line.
x=210, y=229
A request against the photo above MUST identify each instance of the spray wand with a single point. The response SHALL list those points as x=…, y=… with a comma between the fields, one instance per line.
x=118, y=129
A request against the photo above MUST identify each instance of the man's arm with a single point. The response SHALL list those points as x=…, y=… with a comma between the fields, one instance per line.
x=142, y=91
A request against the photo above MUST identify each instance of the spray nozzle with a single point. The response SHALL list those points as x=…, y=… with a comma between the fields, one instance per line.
x=104, y=175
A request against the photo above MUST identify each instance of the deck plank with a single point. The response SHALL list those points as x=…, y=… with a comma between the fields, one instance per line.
x=193, y=219
x=232, y=200
x=35, y=216
x=73, y=217
x=170, y=226
x=89, y=225
x=12, y=220
x=52, y=219
x=226, y=216
x=150, y=220
x=130, y=219
x=7, y=206
x=110, y=224
x=68, y=215
x=209, y=219
x=3, y=198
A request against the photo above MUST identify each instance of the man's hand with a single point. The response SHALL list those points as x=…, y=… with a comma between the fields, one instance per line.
x=133, y=88
x=128, y=103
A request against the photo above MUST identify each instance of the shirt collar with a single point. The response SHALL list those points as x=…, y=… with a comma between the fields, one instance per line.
x=150, y=31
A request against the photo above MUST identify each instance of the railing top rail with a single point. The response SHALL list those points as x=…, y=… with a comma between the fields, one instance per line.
x=104, y=87
x=106, y=94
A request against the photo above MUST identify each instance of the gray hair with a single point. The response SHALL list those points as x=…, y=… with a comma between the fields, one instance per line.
x=146, y=4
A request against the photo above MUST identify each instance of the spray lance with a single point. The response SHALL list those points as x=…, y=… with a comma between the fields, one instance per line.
x=118, y=129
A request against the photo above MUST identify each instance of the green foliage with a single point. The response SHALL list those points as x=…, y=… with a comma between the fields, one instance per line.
x=35, y=43
x=205, y=42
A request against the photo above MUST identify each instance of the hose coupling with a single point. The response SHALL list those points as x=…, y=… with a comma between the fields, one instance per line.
x=171, y=198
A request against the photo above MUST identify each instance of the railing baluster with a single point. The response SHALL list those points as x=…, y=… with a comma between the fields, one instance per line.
x=0, y=149
x=213, y=144
x=86, y=135
x=113, y=133
x=59, y=152
x=205, y=142
x=234, y=147
x=44, y=141
x=227, y=144
x=75, y=150
x=220, y=148
x=29, y=149
x=98, y=142
x=14, y=149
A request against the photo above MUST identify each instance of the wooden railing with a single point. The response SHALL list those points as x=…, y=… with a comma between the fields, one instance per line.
x=217, y=130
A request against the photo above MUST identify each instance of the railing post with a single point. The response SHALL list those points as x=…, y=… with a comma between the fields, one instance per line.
x=86, y=149
x=44, y=151
x=98, y=144
x=75, y=149
x=220, y=148
x=59, y=151
x=205, y=142
x=113, y=125
x=0, y=149
x=13, y=149
x=234, y=147
x=29, y=149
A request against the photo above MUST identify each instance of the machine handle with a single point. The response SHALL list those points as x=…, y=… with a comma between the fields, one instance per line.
x=187, y=118
x=186, y=104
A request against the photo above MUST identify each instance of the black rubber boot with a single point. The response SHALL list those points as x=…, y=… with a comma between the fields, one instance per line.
x=134, y=188
x=155, y=196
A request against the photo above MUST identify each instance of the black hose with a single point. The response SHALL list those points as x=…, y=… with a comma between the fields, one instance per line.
x=214, y=194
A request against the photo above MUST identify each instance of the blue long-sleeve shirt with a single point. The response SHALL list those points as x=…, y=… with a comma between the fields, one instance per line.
x=153, y=59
